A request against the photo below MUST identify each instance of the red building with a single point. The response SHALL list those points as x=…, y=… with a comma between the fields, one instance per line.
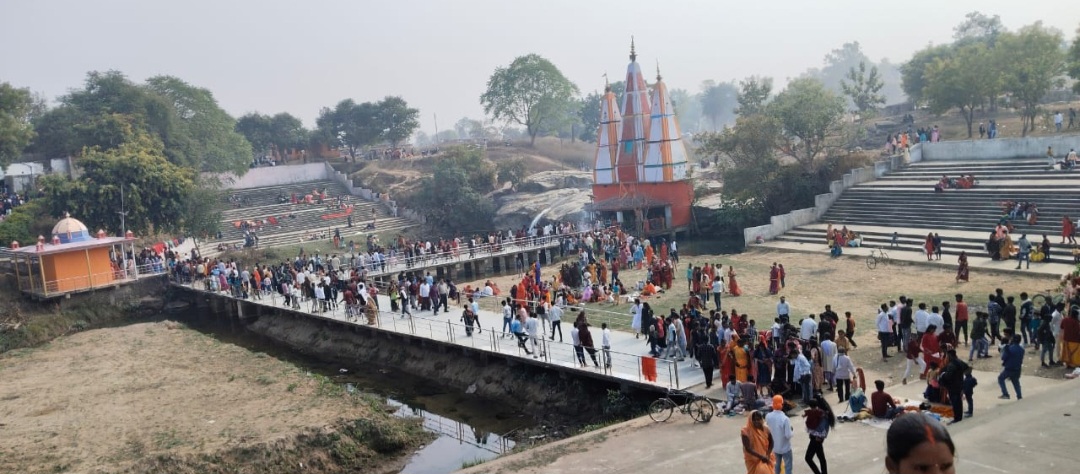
x=640, y=179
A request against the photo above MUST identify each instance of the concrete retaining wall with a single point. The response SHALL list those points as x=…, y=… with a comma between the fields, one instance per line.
x=999, y=148
x=785, y=222
x=275, y=176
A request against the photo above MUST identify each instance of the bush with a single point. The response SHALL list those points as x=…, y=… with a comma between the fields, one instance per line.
x=25, y=224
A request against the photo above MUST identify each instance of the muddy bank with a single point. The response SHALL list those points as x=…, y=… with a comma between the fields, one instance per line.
x=25, y=323
x=552, y=398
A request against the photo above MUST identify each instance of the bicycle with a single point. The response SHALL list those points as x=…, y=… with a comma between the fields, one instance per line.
x=880, y=256
x=698, y=407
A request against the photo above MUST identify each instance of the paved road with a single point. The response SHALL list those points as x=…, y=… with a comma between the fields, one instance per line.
x=1033, y=435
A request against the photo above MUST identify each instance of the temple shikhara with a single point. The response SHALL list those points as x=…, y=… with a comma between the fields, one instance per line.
x=639, y=179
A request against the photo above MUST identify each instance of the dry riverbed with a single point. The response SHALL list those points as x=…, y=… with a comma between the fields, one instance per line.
x=158, y=397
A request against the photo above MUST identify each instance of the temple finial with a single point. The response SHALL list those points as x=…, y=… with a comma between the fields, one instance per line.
x=658, y=78
x=607, y=85
x=633, y=54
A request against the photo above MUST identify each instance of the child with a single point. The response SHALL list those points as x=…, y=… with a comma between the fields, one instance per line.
x=969, y=391
x=895, y=240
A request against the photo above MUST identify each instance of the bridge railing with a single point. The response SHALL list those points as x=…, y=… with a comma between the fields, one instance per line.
x=543, y=350
x=463, y=254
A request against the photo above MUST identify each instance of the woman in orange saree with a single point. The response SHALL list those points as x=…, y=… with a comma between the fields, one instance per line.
x=733, y=286
x=757, y=445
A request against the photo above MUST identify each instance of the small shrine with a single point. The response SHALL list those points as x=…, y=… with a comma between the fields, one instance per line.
x=73, y=261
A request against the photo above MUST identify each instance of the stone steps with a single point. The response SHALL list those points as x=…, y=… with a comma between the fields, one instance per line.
x=905, y=202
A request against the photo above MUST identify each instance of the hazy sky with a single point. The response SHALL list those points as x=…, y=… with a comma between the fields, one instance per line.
x=297, y=56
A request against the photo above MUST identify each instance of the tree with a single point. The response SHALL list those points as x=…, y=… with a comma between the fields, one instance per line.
x=718, y=101
x=1034, y=60
x=512, y=171
x=397, y=119
x=863, y=89
x=753, y=94
x=963, y=80
x=452, y=198
x=913, y=72
x=589, y=115
x=687, y=109
x=351, y=125
x=469, y=128
x=16, y=131
x=750, y=148
x=258, y=130
x=977, y=27
x=808, y=114
x=288, y=132
x=214, y=143
x=531, y=92
x=155, y=191
x=1074, y=62
x=187, y=120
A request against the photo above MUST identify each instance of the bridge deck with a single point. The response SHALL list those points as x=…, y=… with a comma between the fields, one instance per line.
x=628, y=354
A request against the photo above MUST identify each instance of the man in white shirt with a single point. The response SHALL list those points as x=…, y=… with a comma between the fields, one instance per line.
x=783, y=311
x=532, y=328
x=555, y=315
x=777, y=332
x=605, y=343
x=936, y=320
x=808, y=328
x=425, y=293
x=922, y=319
x=717, y=290
x=507, y=315
x=884, y=328
x=782, y=432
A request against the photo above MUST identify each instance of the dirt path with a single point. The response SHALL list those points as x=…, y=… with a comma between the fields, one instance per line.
x=816, y=280
x=106, y=398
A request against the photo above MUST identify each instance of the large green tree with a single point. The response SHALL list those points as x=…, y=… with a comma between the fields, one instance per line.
x=913, y=72
x=809, y=114
x=397, y=119
x=531, y=91
x=16, y=131
x=863, y=88
x=351, y=125
x=1033, y=60
x=963, y=80
x=453, y=197
x=754, y=93
x=155, y=191
x=187, y=120
x=212, y=141
x=282, y=131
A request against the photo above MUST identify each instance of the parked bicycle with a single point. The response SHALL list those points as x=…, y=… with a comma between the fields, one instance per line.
x=877, y=255
x=698, y=407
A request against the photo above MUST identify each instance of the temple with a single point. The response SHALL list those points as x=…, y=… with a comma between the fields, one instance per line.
x=73, y=262
x=649, y=192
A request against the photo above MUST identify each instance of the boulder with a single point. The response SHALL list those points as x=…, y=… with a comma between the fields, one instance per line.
x=549, y=180
x=519, y=209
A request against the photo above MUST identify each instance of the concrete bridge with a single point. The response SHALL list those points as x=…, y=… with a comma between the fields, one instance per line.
x=630, y=366
x=488, y=259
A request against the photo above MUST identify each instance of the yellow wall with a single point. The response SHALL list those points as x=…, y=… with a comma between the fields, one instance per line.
x=68, y=271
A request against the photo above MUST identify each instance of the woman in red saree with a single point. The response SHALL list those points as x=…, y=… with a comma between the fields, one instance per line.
x=727, y=359
x=1067, y=230
x=774, y=280
x=733, y=286
x=931, y=348
x=928, y=245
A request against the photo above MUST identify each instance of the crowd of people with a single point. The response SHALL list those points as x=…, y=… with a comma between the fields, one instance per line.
x=9, y=201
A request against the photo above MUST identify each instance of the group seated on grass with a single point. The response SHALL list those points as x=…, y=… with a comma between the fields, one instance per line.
x=963, y=182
